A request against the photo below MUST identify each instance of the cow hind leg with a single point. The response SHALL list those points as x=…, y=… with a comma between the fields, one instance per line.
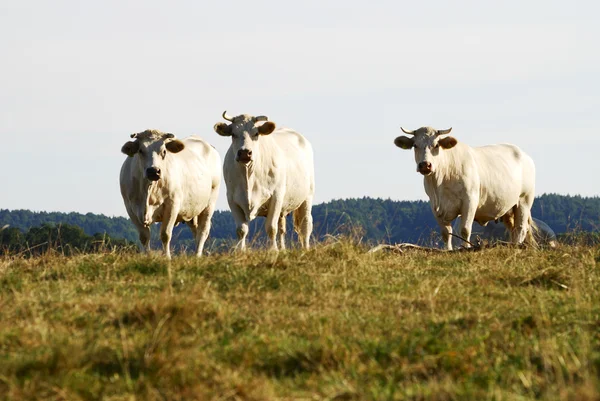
x=509, y=222
x=204, y=220
x=203, y=230
x=282, y=231
x=303, y=223
x=193, y=225
x=523, y=220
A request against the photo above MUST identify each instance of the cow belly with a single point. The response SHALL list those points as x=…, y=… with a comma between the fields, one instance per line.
x=297, y=191
x=194, y=203
x=491, y=212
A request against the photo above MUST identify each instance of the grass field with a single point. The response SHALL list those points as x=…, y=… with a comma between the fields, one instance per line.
x=334, y=323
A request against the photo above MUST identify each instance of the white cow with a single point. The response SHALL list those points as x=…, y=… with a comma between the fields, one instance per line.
x=480, y=184
x=268, y=172
x=168, y=180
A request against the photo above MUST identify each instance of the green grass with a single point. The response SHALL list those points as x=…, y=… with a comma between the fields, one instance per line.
x=334, y=323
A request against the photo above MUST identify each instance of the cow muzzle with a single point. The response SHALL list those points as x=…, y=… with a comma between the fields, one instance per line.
x=153, y=173
x=424, y=168
x=244, y=156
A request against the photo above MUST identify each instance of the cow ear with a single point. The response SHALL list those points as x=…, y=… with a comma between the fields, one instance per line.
x=130, y=148
x=222, y=129
x=175, y=146
x=266, y=128
x=448, y=142
x=404, y=142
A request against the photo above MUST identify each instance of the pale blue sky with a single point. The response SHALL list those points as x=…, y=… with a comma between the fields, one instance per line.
x=76, y=78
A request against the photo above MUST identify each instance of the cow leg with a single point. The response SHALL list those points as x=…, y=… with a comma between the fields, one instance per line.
x=272, y=222
x=204, y=222
x=509, y=222
x=143, y=232
x=144, y=235
x=522, y=219
x=282, y=231
x=205, y=219
x=193, y=225
x=303, y=223
x=446, y=231
x=466, y=222
x=166, y=230
x=241, y=225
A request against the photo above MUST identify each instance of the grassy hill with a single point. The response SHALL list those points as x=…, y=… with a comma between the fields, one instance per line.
x=334, y=323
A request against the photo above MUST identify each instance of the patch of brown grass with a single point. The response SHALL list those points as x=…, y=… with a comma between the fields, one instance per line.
x=330, y=323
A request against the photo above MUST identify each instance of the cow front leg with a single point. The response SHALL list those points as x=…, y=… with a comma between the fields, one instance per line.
x=241, y=226
x=143, y=231
x=446, y=231
x=144, y=235
x=166, y=230
x=466, y=224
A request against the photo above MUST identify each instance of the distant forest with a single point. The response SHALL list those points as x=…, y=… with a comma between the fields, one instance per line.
x=373, y=220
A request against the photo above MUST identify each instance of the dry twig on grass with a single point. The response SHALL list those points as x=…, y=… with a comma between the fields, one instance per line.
x=401, y=248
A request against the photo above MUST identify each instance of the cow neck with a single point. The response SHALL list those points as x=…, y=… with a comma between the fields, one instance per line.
x=151, y=193
x=257, y=169
x=248, y=174
x=435, y=182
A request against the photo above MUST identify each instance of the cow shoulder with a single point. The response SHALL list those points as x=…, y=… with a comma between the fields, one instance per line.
x=198, y=145
x=288, y=138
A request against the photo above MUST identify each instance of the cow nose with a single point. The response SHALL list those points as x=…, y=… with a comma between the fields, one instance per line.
x=424, y=167
x=153, y=173
x=244, y=155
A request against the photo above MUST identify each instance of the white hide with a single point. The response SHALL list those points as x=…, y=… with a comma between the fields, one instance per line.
x=277, y=181
x=480, y=184
x=186, y=191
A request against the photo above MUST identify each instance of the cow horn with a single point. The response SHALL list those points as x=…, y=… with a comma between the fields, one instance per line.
x=226, y=117
x=261, y=118
x=133, y=135
x=407, y=132
x=443, y=131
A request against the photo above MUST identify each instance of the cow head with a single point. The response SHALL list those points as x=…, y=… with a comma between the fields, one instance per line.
x=151, y=148
x=245, y=132
x=428, y=145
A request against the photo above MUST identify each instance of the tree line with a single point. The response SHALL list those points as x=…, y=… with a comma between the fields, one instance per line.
x=372, y=220
x=66, y=239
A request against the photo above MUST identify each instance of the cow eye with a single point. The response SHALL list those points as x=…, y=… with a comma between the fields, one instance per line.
x=163, y=154
x=437, y=145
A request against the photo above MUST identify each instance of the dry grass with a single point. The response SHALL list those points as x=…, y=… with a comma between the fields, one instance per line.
x=334, y=323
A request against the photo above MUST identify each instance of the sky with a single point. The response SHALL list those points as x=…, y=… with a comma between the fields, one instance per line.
x=77, y=78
